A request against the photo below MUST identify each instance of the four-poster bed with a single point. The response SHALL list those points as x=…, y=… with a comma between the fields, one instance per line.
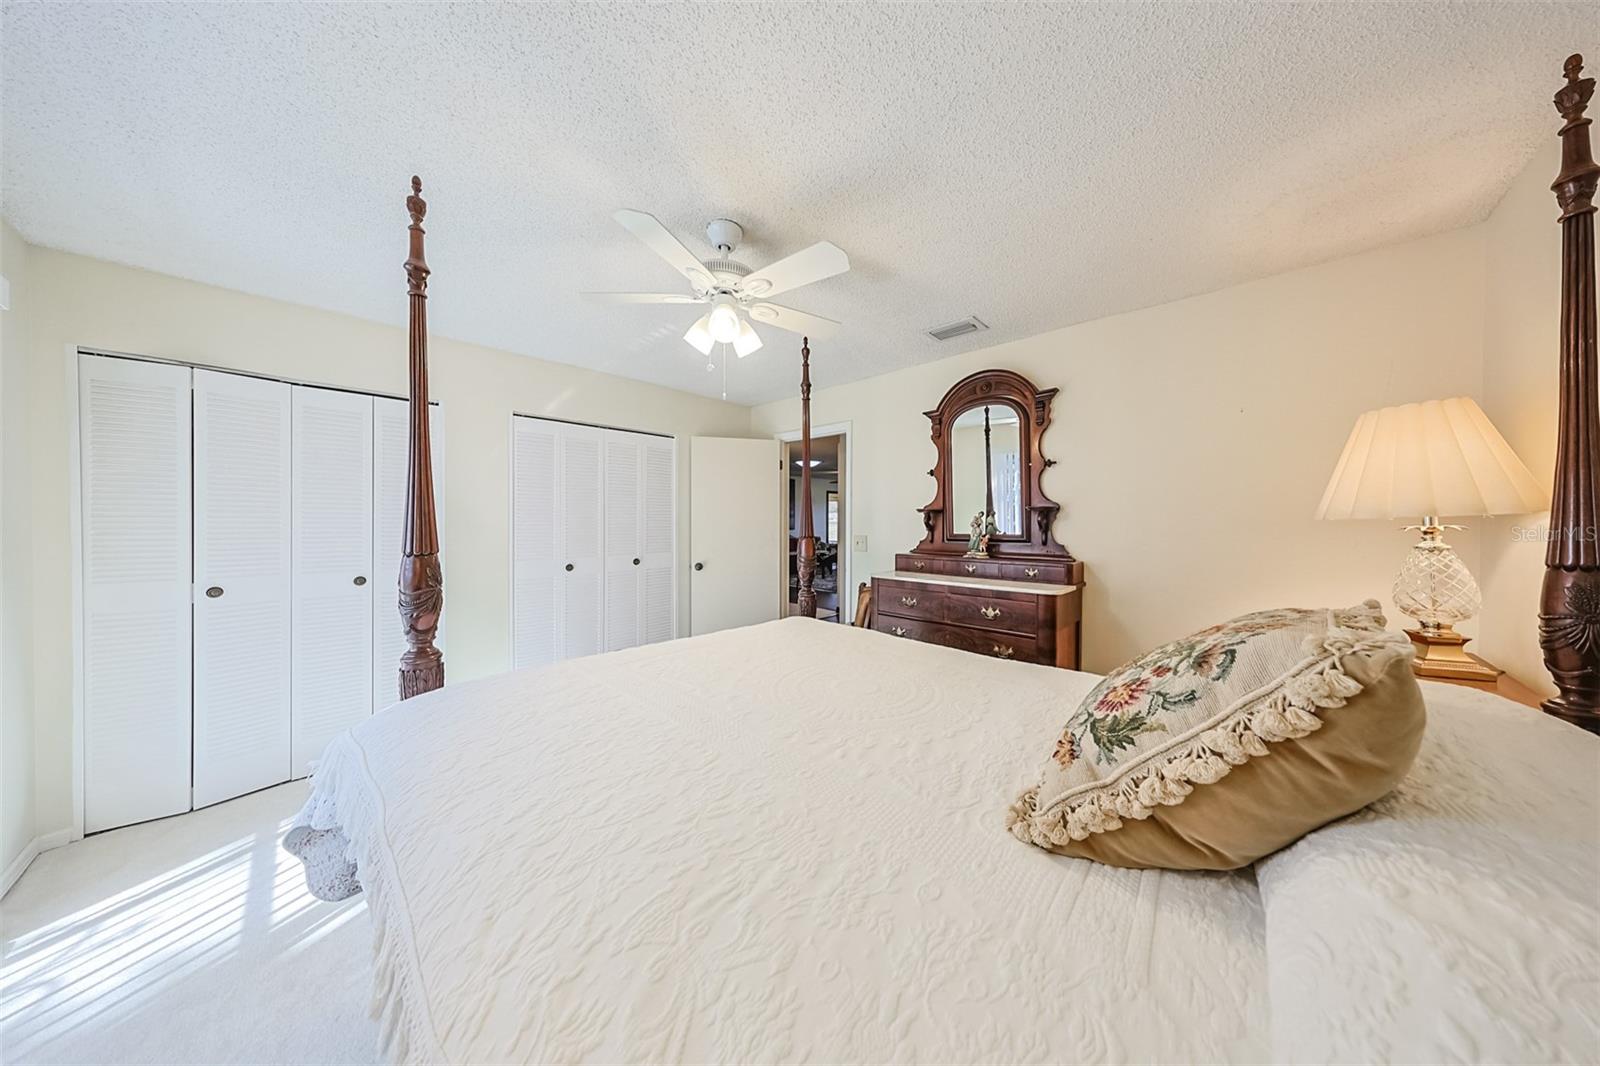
x=664, y=854
x=1569, y=611
x=421, y=578
x=806, y=548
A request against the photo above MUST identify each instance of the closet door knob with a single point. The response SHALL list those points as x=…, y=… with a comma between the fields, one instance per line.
x=636, y=562
x=699, y=566
x=361, y=581
x=213, y=592
x=569, y=567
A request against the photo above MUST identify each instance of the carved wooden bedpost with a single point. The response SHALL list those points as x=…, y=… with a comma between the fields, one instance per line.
x=806, y=549
x=421, y=579
x=1569, y=609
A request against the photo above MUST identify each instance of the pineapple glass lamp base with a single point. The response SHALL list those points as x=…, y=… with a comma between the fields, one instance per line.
x=1442, y=654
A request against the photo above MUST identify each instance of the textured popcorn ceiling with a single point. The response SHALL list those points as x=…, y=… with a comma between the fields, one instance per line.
x=1033, y=165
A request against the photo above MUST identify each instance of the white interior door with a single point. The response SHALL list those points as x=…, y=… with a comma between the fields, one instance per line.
x=733, y=496
x=391, y=432
x=134, y=422
x=332, y=543
x=580, y=490
x=535, y=606
x=242, y=580
x=659, y=510
x=624, y=539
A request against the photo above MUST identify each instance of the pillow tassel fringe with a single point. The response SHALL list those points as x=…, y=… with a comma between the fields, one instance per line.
x=1244, y=734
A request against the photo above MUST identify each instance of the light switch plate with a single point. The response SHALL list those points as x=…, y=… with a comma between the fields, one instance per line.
x=861, y=543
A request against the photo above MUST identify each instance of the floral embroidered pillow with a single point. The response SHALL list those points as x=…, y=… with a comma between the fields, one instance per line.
x=1220, y=748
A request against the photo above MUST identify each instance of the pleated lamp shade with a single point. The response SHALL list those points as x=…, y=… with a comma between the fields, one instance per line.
x=1441, y=458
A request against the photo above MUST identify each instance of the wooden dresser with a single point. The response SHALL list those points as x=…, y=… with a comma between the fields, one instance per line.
x=999, y=584
x=1021, y=611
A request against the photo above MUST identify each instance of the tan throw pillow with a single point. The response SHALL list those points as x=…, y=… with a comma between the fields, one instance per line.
x=1218, y=749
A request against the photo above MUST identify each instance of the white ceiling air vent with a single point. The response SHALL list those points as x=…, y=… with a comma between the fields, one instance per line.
x=970, y=324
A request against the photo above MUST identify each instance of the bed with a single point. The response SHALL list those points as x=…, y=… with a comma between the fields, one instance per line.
x=707, y=851
x=756, y=864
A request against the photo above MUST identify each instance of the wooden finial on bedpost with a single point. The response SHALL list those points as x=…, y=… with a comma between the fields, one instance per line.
x=806, y=548
x=421, y=579
x=1569, y=607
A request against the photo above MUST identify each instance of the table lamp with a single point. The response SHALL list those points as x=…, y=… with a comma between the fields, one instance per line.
x=1430, y=461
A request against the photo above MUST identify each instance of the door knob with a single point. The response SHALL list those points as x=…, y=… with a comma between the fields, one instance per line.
x=214, y=591
x=699, y=566
x=636, y=562
x=361, y=581
x=569, y=567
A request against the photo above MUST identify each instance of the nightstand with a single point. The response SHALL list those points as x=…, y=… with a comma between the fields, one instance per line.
x=1504, y=685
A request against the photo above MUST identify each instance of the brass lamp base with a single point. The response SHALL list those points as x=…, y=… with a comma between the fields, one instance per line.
x=1443, y=654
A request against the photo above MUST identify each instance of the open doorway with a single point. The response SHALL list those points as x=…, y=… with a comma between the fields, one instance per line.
x=829, y=522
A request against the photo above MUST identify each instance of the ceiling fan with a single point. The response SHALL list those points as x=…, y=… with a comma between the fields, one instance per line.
x=737, y=294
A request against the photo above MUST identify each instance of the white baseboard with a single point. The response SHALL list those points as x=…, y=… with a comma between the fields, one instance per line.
x=20, y=864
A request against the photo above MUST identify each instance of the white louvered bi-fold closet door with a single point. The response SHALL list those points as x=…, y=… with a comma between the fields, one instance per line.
x=658, y=608
x=136, y=520
x=580, y=490
x=242, y=580
x=391, y=420
x=535, y=609
x=624, y=539
x=331, y=542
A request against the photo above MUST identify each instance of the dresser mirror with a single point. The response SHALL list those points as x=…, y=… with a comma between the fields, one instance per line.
x=988, y=431
x=986, y=468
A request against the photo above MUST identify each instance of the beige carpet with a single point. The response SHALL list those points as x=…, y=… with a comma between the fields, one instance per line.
x=188, y=940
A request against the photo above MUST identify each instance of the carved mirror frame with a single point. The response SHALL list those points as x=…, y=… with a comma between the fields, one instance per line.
x=946, y=534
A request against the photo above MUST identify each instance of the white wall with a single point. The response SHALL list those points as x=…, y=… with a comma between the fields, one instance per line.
x=79, y=301
x=1194, y=439
x=17, y=821
x=1521, y=364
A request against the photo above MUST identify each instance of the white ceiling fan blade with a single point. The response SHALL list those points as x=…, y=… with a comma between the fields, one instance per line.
x=641, y=298
x=821, y=260
x=793, y=321
x=655, y=237
x=699, y=334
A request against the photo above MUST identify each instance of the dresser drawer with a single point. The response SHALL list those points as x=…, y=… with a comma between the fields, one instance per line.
x=909, y=599
x=984, y=568
x=920, y=564
x=994, y=645
x=998, y=611
x=1045, y=573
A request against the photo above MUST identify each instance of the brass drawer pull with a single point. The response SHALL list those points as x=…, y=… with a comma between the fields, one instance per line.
x=909, y=601
x=898, y=631
x=919, y=564
x=990, y=613
x=1032, y=571
x=1005, y=651
x=972, y=568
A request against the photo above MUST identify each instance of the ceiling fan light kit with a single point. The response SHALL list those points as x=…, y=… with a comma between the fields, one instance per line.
x=724, y=321
x=700, y=336
x=747, y=341
x=731, y=288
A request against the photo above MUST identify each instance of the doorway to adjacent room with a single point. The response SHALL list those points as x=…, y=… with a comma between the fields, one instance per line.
x=829, y=522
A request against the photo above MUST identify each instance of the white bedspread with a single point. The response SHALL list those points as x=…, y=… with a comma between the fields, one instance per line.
x=786, y=842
